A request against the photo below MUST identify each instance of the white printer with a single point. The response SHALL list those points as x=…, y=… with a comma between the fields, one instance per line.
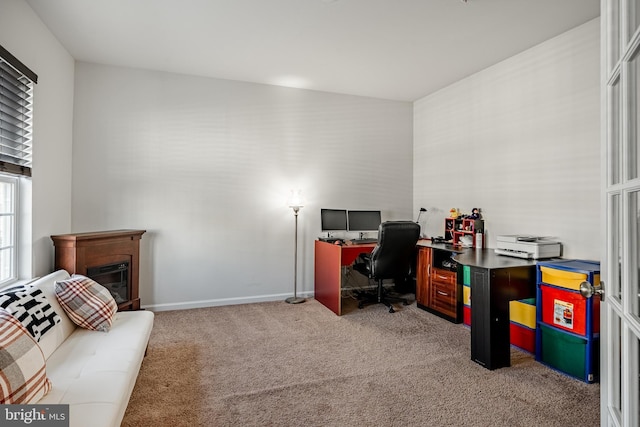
x=528, y=247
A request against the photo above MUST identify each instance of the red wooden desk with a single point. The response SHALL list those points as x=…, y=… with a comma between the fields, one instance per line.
x=329, y=260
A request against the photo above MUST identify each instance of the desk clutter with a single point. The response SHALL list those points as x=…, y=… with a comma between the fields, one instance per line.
x=348, y=242
x=466, y=231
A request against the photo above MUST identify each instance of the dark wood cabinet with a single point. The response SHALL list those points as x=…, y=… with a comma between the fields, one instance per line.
x=437, y=287
x=423, y=298
x=112, y=258
x=444, y=293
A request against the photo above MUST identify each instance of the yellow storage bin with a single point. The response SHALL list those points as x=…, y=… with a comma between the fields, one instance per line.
x=523, y=312
x=564, y=279
x=466, y=295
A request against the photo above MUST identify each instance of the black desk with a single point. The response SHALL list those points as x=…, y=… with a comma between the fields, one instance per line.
x=495, y=280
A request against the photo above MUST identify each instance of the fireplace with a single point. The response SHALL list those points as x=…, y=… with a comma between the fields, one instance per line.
x=114, y=277
x=111, y=258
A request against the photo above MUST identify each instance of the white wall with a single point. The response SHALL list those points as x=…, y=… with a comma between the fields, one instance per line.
x=520, y=140
x=25, y=36
x=206, y=165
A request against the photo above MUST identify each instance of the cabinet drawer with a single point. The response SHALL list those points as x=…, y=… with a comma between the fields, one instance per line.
x=444, y=291
x=443, y=276
x=444, y=287
x=564, y=279
x=444, y=297
x=569, y=273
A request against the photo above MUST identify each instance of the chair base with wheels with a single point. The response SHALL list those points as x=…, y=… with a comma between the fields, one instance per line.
x=381, y=296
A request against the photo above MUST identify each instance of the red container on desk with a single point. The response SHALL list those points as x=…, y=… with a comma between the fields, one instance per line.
x=567, y=310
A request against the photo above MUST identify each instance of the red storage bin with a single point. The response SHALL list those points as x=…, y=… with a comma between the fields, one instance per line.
x=567, y=310
x=523, y=337
x=466, y=315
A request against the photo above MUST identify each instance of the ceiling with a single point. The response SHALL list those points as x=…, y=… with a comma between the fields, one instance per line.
x=391, y=49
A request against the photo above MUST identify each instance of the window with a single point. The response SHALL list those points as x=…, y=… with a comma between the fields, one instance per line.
x=8, y=221
x=16, y=100
x=16, y=115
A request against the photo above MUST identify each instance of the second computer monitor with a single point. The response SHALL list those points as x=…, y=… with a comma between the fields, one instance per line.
x=364, y=220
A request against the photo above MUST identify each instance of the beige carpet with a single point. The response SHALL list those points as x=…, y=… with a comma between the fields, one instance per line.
x=275, y=364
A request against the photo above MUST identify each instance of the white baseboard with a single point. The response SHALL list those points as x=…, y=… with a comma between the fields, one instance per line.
x=220, y=302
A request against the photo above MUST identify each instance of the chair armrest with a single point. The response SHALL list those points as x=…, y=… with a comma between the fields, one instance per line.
x=362, y=264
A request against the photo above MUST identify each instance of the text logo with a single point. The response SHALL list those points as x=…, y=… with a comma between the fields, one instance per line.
x=34, y=415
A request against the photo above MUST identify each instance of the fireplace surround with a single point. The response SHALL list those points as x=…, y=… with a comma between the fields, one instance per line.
x=111, y=258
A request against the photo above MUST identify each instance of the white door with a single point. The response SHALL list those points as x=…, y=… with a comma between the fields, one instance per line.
x=620, y=263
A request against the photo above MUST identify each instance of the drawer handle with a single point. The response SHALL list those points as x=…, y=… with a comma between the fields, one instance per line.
x=443, y=293
x=441, y=277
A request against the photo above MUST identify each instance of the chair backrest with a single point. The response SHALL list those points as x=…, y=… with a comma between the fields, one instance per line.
x=392, y=257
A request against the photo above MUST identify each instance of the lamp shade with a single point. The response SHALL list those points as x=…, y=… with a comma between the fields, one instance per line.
x=295, y=199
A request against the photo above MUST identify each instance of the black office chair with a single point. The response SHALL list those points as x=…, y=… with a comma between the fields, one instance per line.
x=392, y=258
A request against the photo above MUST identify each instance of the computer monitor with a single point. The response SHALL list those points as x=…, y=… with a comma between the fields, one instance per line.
x=333, y=219
x=364, y=220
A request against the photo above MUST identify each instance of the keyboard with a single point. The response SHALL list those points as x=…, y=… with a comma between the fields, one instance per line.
x=330, y=239
x=363, y=241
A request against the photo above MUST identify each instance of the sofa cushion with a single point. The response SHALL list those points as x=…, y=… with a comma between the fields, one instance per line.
x=23, y=377
x=112, y=361
x=87, y=303
x=29, y=305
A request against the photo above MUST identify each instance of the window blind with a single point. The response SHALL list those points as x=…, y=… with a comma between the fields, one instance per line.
x=16, y=113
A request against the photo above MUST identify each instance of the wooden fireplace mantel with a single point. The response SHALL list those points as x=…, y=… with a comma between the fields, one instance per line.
x=79, y=252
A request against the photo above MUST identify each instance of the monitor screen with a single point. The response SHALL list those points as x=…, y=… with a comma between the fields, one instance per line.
x=333, y=219
x=364, y=220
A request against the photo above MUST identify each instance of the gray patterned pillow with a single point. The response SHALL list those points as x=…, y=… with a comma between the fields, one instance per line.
x=87, y=303
x=29, y=305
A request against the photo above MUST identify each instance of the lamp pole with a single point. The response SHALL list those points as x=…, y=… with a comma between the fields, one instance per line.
x=295, y=299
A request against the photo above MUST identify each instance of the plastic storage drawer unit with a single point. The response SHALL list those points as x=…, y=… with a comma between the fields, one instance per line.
x=568, y=310
x=466, y=295
x=523, y=312
x=522, y=326
x=568, y=324
x=569, y=354
x=569, y=273
x=522, y=337
x=466, y=316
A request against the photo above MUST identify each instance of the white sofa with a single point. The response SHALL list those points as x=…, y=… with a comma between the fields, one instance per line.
x=94, y=372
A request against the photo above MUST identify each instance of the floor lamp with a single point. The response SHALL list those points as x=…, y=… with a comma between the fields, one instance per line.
x=295, y=203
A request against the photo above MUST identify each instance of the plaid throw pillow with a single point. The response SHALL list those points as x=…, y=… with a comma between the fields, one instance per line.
x=23, y=378
x=29, y=305
x=88, y=303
